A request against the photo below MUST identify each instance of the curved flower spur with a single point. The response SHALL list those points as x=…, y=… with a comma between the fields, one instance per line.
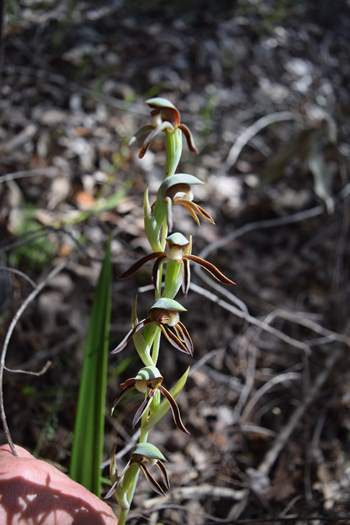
x=143, y=456
x=148, y=381
x=178, y=249
x=165, y=117
x=164, y=313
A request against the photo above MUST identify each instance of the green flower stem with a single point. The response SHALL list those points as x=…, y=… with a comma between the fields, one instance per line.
x=173, y=150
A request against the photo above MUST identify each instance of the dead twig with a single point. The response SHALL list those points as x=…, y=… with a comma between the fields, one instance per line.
x=253, y=130
x=283, y=437
x=250, y=319
x=39, y=172
x=8, y=336
x=197, y=492
x=18, y=272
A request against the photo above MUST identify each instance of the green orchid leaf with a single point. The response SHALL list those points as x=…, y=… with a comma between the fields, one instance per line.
x=148, y=450
x=164, y=303
x=164, y=406
x=88, y=438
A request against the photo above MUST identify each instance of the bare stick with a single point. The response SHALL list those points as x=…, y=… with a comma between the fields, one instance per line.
x=253, y=130
x=271, y=223
x=39, y=172
x=281, y=378
x=250, y=319
x=18, y=272
x=283, y=437
x=261, y=225
x=41, y=372
x=9, y=333
x=198, y=492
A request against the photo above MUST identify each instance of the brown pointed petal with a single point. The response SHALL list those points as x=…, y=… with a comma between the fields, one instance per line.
x=164, y=473
x=124, y=387
x=156, y=269
x=204, y=213
x=141, y=410
x=123, y=343
x=121, y=395
x=185, y=334
x=174, y=340
x=189, y=139
x=175, y=409
x=189, y=206
x=186, y=276
x=140, y=135
x=211, y=268
x=157, y=487
x=152, y=135
x=139, y=263
x=112, y=490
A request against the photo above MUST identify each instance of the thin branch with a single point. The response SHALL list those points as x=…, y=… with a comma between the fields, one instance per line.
x=39, y=172
x=18, y=272
x=294, y=218
x=41, y=372
x=283, y=437
x=250, y=319
x=8, y=336
x=276, y=380
x=253, y=130
x=198, y=492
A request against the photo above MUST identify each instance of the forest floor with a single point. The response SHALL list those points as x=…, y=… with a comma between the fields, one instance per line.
x=264, y=87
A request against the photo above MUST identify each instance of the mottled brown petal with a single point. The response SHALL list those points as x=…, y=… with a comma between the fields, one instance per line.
x=154, y=483
x=210, y=268
x=140, y=263
x=174, y=409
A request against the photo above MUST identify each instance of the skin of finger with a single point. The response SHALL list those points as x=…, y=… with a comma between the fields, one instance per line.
x=34, y=491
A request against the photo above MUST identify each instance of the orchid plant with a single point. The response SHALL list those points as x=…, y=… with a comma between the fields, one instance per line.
x=171, y=255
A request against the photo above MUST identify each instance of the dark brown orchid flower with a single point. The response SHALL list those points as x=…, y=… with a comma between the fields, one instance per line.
x=145, y=455
x=177, y=190
x=165, y=117
x=148, y=381
x=178, y=249
x=165, y=313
